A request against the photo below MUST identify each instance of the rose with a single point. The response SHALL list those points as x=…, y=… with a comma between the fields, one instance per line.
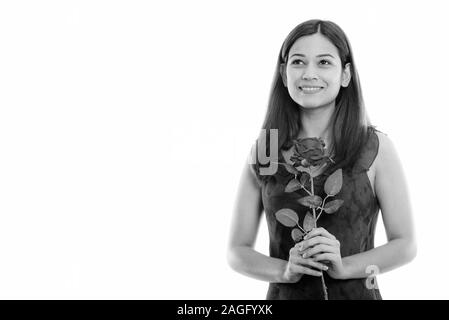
x=309, y=152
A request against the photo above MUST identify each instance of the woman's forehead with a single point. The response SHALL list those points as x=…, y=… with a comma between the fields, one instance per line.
x=313, y=45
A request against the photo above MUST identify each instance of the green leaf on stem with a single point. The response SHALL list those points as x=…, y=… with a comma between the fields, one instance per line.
x=297, y=235
x=305, y=177
x=287, y=217
x=310, y=201
x=290, y=168
x=333, y=183
x=309, y=222
x=292, y=186
x=333, y=206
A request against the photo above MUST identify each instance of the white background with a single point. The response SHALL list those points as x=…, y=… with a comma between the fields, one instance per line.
x=124, y=127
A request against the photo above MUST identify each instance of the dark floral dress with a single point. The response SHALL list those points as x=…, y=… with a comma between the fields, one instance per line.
x=353, y=225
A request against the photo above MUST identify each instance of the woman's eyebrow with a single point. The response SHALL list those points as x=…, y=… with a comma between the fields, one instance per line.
x=318, y=56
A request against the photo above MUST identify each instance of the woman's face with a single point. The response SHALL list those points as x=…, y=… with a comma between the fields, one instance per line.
x=314, y=72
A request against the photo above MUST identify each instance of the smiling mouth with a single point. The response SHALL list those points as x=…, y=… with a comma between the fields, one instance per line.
x=310, y=89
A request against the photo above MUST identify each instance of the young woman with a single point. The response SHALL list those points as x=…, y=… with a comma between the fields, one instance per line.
x=316, y=93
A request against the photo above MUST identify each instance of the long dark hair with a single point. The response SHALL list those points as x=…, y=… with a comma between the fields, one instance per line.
x=350, y=123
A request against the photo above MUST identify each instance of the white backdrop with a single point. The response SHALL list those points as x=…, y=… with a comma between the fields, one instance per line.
x=124, y=127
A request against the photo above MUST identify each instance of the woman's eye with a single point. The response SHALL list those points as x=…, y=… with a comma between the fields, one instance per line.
x=295, y=61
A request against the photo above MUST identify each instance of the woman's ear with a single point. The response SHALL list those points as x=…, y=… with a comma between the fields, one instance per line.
x=283, y=74
x=346, y=75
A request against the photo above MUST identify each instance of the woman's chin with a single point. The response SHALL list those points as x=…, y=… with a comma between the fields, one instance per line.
x=308, y=105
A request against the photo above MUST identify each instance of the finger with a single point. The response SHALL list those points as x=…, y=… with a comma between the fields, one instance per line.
x=296, y=252
x=325, y=256
x=299, y=246
x=321, y=248
x=305, y=270
x=319, y=232
x=318, y=240
x=309, y=262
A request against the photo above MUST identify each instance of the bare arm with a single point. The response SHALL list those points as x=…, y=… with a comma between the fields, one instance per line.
x=392, y=193
x=245, y=222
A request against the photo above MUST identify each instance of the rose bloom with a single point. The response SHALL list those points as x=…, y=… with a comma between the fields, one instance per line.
x=309, y=152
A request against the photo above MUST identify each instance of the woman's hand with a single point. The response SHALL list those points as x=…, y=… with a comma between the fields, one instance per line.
x=322, y=246
x=297, y=265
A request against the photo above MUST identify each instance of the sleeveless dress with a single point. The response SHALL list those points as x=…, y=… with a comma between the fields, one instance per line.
x=353, y=225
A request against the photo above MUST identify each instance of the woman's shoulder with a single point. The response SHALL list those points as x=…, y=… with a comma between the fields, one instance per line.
x=387, y=156
x=381, y=136
x=386, y=150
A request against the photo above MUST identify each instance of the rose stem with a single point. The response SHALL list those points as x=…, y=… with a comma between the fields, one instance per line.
x=322, y=207
x=304, y=231
x=314, y=222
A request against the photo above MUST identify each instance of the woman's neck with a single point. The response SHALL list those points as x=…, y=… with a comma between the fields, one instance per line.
x=315, y=122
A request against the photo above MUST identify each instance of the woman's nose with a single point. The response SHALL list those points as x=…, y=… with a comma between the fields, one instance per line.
x=309, y=73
